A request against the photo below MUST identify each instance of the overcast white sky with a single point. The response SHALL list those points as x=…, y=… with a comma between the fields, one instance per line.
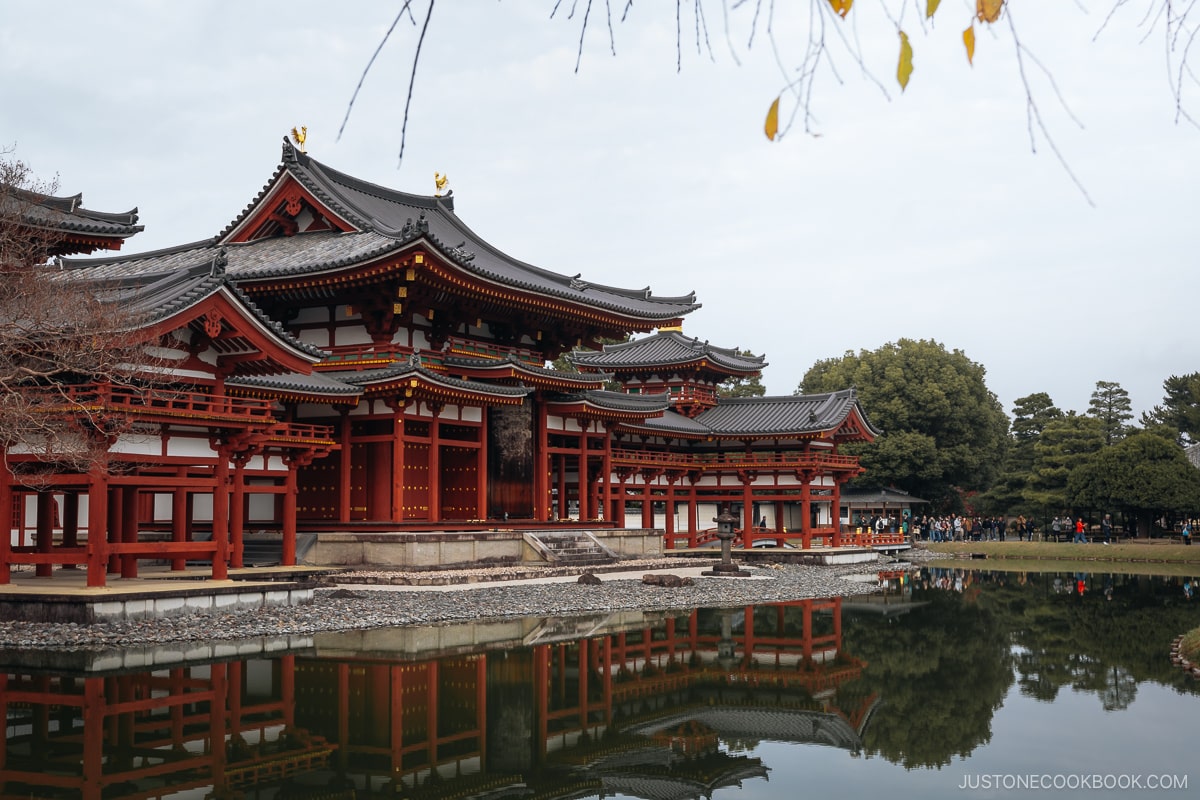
x=920, y=215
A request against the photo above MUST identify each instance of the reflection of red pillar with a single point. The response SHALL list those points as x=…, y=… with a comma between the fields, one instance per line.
x=541, y=699
x=93, y=738
x=481, y=705
x=583, y=683
x=396, y=718
x=218, y=722
x=431, y=712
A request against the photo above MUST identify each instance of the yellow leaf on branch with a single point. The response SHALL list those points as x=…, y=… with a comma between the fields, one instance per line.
x=841, y=7
x=905, y=67
x=988, y=10
x=772, y=126
x=931, y=7
x=969, y=41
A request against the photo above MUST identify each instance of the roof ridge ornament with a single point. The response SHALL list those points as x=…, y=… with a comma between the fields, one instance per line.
x=220, y=261
x=412, y=229
x=460, y=252
x=439, y=184
x=299, y=136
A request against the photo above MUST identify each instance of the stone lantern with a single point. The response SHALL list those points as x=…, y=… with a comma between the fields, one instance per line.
x=726, y=533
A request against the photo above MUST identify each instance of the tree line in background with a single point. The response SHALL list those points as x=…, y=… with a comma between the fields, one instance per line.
x=947, y=440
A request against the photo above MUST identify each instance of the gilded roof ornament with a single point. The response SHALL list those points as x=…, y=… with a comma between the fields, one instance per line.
x=299, y=135
x=439, y=182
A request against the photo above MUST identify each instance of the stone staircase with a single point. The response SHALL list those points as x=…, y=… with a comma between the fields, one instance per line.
x=570, y=548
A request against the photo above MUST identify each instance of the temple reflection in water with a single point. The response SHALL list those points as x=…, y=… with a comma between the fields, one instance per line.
x=638, y=704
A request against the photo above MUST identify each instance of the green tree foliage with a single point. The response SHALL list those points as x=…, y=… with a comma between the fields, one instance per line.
x=1007, y=494
x=931, y=711
x=1064, y=445
x=1110, y=404
x=743, y=387
x=1180, y=409
x=1143, y=475
x=943, y=429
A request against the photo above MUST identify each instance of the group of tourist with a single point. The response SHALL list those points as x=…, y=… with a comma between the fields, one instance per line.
x=966, y=528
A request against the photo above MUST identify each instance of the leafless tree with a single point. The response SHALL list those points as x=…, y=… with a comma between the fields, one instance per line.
x=60, y=341
x=828, y=44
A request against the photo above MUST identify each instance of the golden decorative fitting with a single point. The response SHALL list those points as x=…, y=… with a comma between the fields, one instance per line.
x=439, y=182
x=299, y=135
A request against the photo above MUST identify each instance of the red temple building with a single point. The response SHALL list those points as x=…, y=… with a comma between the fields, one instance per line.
x=354, y=362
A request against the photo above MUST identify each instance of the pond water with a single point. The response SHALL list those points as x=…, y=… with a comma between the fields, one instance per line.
x=948, y=683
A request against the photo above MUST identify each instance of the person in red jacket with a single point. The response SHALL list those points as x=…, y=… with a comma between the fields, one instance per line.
x=1080, y=538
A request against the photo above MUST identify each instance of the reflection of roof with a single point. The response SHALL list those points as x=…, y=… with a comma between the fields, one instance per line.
x=774, y=724
x=668, y=348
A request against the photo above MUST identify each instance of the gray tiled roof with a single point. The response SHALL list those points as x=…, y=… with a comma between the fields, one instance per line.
x=480, y=363
x=67, y=214
x=789, y=415
x=666, y=348
x=151, y=297
x=317, y=383
x=407, y=218
x=399, y=369
x=388, y=222
x=812, y=413
x=619, y=401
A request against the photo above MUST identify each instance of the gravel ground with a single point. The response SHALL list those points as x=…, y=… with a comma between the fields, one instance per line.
x=340, y=606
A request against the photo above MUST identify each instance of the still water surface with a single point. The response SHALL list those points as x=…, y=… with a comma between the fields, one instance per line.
x=947, y=684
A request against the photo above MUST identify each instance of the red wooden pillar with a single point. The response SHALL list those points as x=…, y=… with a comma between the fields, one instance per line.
x=70, y=523
x=669, y=517
x=481, y=457
x=97, y=543
x=220, y=516
x=606, y=478
x=345, y=467
x=647, y=504
x=693, y=517
x=747, y=510
x=585, y=511
x=237, y=511
x=541, y=465
x=179, y=518
x=564, y=506
x=435, y=463
x=618, y=502
x=806, y=510
x=288, y=523
x=45, y=531
x=397, y=489
x=129, y=530
x=6, y=513
x=115, y=515
x=837, y=510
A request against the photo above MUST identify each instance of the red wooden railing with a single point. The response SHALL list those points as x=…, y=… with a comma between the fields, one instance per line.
x=151, y=401
x=713, y=461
